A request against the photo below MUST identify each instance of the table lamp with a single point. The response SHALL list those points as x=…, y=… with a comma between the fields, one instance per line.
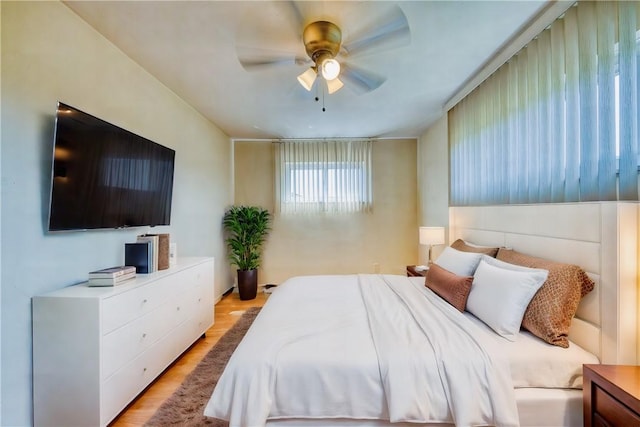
x=431, y=236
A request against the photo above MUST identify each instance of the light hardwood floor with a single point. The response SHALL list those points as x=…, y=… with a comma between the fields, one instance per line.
x=143, y=408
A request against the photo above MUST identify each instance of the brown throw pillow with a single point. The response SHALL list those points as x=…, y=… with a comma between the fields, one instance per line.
x=549, y=313
x=461, y=245
x=452, y=288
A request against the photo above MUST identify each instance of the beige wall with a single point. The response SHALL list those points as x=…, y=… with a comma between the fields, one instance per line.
x=49, y=54
x=253, y=173
x=433, y=179
x=385, y=240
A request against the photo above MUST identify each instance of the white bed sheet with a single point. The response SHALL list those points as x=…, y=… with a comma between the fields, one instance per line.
x=537, y=407
x=534, y=363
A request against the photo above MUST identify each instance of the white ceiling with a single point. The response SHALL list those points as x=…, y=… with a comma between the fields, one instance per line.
x=191, y=46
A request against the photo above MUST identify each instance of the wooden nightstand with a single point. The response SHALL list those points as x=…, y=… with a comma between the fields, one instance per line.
x=611, y=395
x=411, y=271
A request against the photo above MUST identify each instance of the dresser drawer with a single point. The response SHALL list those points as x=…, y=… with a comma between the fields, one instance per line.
x=127, y=382
x=204, y=311
x=611, y=411
x=203, y=321
x=202, y=274
x=126, y=343
x=123, y=308
x=132, y=378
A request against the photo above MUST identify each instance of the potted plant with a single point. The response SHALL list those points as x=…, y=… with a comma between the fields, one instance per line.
x=247, y=228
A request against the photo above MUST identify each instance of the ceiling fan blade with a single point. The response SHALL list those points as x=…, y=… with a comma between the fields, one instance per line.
x=253, y=59
x=253, y=64
x=360, y=80
x=298, y=18
x=392, y=30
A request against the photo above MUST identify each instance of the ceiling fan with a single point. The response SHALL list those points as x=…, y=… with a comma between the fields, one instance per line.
x=331, y=59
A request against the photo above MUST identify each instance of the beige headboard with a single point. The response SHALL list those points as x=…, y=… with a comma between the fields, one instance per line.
x=601, y=237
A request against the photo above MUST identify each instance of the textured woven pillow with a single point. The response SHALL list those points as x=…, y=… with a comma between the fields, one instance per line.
x=461, y=245
x=452, y=288
x=549, y=313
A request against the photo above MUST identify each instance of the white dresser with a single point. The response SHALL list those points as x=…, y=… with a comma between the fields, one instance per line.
x=96, y=348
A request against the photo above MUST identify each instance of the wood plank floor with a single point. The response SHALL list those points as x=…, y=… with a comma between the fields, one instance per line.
x=146, y=404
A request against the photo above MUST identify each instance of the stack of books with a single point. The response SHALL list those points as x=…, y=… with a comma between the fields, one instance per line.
x=112, y=276
x=149, y=253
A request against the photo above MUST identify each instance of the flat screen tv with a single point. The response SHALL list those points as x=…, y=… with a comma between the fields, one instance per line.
x=106, y=177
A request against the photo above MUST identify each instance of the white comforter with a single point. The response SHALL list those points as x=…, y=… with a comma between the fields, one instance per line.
x=363, y=347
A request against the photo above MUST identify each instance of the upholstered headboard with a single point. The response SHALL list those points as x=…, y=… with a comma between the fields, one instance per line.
x=600, y=237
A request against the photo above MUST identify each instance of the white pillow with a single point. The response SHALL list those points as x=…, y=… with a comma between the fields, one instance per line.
x=500, y=296
x=458, y=262
x=506, y=265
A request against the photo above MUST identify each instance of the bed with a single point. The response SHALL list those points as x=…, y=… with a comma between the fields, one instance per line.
x=297, y=364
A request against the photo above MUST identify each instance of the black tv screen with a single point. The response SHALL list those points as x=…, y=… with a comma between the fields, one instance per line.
x=106, y=177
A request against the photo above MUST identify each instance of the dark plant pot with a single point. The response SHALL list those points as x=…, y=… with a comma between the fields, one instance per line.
x=247, y=284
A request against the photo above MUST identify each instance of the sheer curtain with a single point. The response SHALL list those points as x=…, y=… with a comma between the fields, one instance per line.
x=559, y=121
x=314, y=176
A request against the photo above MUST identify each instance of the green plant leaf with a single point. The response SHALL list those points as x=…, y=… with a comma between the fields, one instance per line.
x=246, y=228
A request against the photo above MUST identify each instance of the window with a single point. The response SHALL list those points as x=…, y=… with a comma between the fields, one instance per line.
x=323, y=176
x=559, y=121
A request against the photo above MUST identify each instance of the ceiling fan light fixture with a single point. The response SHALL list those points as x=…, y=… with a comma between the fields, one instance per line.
x=330, y=69
x=334, y=85
x=307, y=78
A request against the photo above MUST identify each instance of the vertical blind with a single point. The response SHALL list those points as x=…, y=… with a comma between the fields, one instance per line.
x=314, y=176
x=559, y=121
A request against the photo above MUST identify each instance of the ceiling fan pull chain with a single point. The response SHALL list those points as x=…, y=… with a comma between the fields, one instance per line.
x=317, y=93
x=323, y=109
x=317, y=98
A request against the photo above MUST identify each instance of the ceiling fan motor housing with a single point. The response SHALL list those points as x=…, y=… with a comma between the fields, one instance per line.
x=322, y=38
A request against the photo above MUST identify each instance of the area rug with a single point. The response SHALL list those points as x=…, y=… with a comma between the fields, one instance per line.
x=186, y=405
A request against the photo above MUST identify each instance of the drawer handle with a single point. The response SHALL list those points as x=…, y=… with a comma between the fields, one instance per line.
x=144, y=335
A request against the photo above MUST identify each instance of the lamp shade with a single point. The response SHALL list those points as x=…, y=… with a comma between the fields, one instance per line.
x=307, y=78
x=334, y=85
x=432, y=235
